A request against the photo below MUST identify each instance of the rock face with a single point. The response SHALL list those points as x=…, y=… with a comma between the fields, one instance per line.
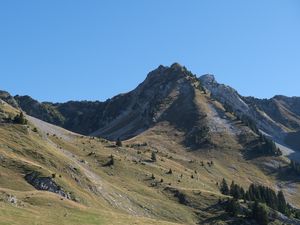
x=5, y=96
x=44, y=111
x=224, y=94
x=166, y=95
x=45, y=184
x=278, y=116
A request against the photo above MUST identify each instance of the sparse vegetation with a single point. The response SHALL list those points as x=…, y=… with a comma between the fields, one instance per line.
x=224, y=187
x=119, y=142
x=267, y=147
x=20, y=119
x=250, y=123
x=170, y=171
x=111, y=161
x=153, y=156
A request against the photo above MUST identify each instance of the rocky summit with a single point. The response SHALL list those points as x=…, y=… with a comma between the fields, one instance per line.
x=178, y=149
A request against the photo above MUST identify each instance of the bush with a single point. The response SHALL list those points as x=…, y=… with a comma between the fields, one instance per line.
x=119, y=142
x=224, y=187
x=260, y=214
x=111, y=162
x=233, y=207
x=153, y=156
x=20, y=119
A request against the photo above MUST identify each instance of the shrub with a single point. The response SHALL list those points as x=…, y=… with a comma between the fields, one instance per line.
x=119, y=142
x=170, y=171
x=153, y=156
x=20, y=119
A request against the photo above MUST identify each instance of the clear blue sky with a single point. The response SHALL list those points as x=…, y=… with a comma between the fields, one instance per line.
x=60, y=50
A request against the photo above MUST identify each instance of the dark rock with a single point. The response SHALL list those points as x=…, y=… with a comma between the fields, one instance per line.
x=45, y=184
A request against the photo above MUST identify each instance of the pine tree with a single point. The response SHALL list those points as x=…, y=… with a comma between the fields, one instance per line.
x=119, y=142
x=259, y=213
x=170, y=171
x=282, y=206
x=20, y=119
x=233, y=207
x=224, y=187
x=232, y=188
x=153, y=156
x=111, y=162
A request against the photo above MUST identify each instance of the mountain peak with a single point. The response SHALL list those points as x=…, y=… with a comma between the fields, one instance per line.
x=171, y=73
x=176, y=66
x=208, y=79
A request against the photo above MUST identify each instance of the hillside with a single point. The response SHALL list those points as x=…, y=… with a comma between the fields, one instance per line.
x=279, y=116
x=178, y=143
x=142, y=107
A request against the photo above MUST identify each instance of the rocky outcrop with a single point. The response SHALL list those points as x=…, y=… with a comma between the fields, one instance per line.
x=5, y=96
x=44, y=111
x=45, y=184
x=224, y=93
x=277, y=116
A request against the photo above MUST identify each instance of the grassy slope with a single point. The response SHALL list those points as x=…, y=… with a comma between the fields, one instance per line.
x=124, y=193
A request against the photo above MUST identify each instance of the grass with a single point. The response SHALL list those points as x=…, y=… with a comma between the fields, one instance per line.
x=123, y=193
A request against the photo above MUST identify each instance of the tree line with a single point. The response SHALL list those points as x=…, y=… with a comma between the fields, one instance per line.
x=259, y=195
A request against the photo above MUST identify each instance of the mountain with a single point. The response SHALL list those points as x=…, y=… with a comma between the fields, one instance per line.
x=278, y=116
x=127, y=115
x=178, y=137
x=5, y=96
x=170, y=95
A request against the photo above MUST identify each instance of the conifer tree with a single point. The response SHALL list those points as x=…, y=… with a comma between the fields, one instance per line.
x=20, y=119
x=282, y=206
x=119, y=142
x=259, y=213
x=224, y=187
x=153, y=156
x=233, y=207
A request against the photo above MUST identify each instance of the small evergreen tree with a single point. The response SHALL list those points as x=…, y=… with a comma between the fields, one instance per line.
x=119, y=142
x=170, y=171
x=20, y=119
x=153, y=156
x=260, y=214
x=224, y=187
x=233, y=207
x=282, y=206
x=111, y=162
x=232, y=188
x=295, y=167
